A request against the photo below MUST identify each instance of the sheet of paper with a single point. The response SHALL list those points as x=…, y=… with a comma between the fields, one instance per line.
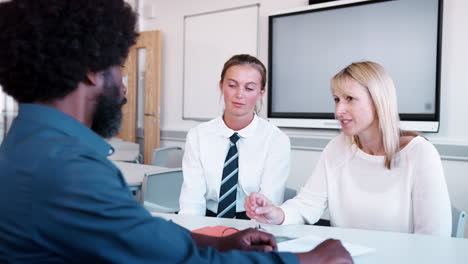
x=307, y=243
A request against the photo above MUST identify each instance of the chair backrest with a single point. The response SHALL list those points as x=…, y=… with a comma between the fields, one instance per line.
x=458, y=222
x=161, y=190
x=289, y=193
x=169, y=157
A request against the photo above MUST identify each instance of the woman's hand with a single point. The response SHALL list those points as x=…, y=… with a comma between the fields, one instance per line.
x=259, y=208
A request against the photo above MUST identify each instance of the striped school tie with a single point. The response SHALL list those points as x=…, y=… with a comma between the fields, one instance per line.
x=228, y=192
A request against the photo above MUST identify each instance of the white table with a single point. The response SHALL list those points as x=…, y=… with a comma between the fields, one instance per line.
x=134, y=174
x=390, y=247
x=124, y=151
x=127, y=155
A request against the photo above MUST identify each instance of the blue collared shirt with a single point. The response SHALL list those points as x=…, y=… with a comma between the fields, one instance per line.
x=63, y=201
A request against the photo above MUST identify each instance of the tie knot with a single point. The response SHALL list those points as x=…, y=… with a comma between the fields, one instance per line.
x=234, y=138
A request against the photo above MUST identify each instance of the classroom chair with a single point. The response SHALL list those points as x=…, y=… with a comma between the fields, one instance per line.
x=458, y=222
x=169, y=157
x=161, y=191
x=289, y=193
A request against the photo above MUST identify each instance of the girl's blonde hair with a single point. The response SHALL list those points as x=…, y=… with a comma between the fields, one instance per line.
x=382, y=91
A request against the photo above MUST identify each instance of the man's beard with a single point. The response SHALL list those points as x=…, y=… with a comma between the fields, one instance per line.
x=108, y=115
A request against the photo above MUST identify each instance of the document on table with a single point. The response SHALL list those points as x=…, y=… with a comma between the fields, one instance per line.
x=307, y=243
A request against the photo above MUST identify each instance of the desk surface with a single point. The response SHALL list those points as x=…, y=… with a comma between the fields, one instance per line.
x=124, y=151
x=125, y=155
x=390, y=247
x=134, y=173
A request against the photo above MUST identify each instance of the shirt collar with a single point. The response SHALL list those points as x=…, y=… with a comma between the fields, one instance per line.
x=58, y=120
x=246, y=132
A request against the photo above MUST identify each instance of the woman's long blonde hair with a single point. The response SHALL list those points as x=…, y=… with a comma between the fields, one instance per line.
x=382, y=91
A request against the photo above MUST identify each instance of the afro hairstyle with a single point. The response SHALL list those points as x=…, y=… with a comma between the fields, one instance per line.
x=48, y=46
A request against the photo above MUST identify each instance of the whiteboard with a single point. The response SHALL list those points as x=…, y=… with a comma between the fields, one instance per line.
x=210, y=39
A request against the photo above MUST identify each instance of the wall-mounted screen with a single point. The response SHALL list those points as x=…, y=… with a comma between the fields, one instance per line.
x=308, y=46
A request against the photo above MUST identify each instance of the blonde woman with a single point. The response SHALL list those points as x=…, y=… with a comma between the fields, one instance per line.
x=373, y=175
x=237, y=153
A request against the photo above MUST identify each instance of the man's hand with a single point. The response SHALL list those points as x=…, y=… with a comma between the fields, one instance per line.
x=249, y=239
x=329, y=251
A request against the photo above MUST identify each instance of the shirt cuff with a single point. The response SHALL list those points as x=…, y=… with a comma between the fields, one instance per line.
x=291, y=216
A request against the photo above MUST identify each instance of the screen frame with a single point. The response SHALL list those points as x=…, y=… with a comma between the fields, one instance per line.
x=427, y=122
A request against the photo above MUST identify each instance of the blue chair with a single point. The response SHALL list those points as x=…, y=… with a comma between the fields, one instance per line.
x=458, y=222
x=160, y=191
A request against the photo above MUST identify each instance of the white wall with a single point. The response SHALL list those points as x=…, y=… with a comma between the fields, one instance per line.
x=169, y=18
x=454, y=85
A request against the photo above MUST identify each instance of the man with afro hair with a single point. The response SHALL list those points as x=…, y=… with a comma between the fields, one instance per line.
x=62, y=200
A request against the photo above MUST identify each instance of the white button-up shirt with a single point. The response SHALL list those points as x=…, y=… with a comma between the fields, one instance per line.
x=264, y=157
x=411, y=197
